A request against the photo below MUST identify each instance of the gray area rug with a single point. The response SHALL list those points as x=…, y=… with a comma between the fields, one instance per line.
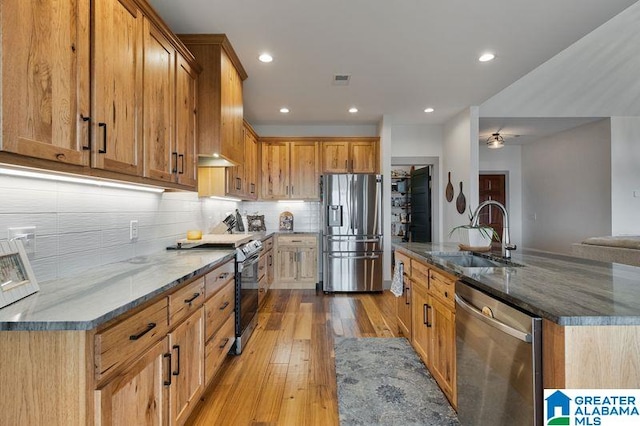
x=381, y=381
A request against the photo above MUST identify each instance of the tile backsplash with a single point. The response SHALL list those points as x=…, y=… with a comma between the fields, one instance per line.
x=81, y=226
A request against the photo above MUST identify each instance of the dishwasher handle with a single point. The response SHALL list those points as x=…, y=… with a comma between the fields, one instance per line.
x=520, y=335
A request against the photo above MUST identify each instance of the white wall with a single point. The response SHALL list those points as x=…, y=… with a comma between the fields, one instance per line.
x=507, y=160
x=460, y=157
x=625, y=175
x=384, y=132
x=566, y=185
x=79, y=226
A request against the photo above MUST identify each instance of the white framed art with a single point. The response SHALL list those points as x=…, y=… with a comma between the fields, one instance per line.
x=17, y=279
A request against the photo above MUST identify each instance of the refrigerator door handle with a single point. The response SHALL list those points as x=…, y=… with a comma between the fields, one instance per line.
x=333, y=256
x=366, y=240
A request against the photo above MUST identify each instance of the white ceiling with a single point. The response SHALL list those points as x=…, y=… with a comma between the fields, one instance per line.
x=403, y=56
x=520, y=131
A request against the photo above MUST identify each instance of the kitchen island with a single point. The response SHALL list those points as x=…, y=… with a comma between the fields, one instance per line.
x=134, y=341
x=590, y=310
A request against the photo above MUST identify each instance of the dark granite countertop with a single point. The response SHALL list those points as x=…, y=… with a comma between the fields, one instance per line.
x=563, y=289
x=90, y=299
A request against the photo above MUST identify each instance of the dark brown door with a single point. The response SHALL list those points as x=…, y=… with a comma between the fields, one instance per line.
x=492, y=187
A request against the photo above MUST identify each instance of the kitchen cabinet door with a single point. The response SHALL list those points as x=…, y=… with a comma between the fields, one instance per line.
x=186, y=140
x=117, y=87
x=363, y=157
x=404, y=309
x=45, y=79
x=443, y=355
x=275, y=170
x=138, y=396
x=335, y=157
x=305, y=171
x=307, y=265
x=161, y=161
x=186, y=343
x=232, y=140
x=421, y=322
x=286, y=264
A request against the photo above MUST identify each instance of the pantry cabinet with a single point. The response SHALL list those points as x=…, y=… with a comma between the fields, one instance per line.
x=355, y=156
x=87, y=88
x=290, y=169
x=220, y=113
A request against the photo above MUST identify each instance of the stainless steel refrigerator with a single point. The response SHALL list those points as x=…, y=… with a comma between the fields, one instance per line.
x=352, y=232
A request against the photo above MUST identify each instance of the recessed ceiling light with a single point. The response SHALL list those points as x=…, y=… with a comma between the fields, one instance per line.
x=265, y=57
x=284, y=110
x=486, y=57
x=429, y=110
x=353, y=110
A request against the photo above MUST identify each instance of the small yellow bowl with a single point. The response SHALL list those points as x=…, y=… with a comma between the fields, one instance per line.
x=194, y=235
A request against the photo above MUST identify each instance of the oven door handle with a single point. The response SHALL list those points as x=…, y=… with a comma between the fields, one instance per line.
x=466, y=306
x=333, y=256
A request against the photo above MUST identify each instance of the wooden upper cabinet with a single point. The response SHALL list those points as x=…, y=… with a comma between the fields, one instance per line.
x=220, y=112
x=161, y=162
x=275, y=170
x=45, y=78
x=186, y=137
x=251, y=162
x=117, y=87
x=358, y=156
x=305, y=171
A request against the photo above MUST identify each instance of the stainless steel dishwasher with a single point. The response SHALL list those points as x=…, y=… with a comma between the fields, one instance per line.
x=499, y=361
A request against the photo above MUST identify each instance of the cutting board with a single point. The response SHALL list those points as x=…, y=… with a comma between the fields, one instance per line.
x=234, y=240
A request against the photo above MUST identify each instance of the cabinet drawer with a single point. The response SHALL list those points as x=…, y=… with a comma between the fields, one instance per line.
x=217, y=278
x=442, y=287
x=217, y=347
x=297, y=240
x=262, y=265
x=218, y=308
x=419, y=271
x=406, y=261
x=129, y=338
x=185, y=301
x=267, y=244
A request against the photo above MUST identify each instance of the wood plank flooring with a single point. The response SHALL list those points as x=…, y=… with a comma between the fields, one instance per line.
x=286, y=373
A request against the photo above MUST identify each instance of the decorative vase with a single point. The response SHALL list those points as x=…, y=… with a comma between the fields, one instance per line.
x=478, y=237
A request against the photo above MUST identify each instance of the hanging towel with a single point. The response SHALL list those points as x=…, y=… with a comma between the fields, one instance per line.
x=396, y=284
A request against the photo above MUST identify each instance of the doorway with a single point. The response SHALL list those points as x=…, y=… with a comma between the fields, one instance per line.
x=493, y=187
x=420, y=227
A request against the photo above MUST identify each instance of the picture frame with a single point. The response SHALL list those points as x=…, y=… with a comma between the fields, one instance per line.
x=17, y=279
x=255, y=223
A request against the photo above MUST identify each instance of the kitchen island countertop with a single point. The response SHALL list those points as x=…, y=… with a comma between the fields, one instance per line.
x=565, y=290
x=94, y=297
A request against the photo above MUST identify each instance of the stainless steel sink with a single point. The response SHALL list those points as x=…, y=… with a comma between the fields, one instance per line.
x=474, y=260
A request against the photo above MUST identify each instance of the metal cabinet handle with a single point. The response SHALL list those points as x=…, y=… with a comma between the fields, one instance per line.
x=425, y=315
x=292, y=189
x=238, y=183
x=87, y=119
x=168, y=381
x=175, y=162
x=253, y=188
x=150, y=327
x=104, y=137
x=270, y=260
x=407, y=301
x=195, y=296
x=223, y=275
x=224, y=305
x=225, y=341
x=177, y=372
x=181, y=157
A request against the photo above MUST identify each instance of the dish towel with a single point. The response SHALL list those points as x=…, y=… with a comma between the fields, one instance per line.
x=396, y=284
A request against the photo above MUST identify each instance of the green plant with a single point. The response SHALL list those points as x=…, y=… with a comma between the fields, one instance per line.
x=486, y=231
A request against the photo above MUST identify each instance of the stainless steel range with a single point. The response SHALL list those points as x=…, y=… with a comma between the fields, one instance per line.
x=246, y=292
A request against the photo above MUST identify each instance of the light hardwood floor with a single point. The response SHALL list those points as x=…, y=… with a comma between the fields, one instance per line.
x=286, y=373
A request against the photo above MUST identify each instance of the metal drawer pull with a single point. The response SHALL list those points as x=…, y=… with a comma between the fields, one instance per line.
x=223, y=275
x=177, y=372
x=150, y=327
x=168, y=381
x=225, y=341
x=224, y=305
x=525, y=337
x=195, y=296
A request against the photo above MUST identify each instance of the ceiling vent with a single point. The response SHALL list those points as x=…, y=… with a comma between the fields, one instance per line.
x=341, y=79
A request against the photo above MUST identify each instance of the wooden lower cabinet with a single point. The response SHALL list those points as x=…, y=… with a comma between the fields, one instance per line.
x=443, y=344
x=186, y=343
x=296, y=264
x=404, y=309
x=422, y=327
x=139, y=395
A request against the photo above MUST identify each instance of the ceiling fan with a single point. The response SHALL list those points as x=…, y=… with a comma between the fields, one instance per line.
x=496, y=139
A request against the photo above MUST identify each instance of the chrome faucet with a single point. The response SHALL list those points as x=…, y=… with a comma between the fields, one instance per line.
x=506, y=240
